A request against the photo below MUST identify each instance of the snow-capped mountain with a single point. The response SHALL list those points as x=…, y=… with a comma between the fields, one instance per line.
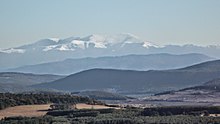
x=76, y=43
x=55, y=49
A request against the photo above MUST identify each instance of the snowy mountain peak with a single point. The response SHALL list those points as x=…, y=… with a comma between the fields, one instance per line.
x=149, y=44
x=95, y=38
x=54, y=39
x=94, y=41
x=12, y=50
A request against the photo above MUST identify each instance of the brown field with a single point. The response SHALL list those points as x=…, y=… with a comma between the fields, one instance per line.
x=39, y=110
x=25, y=110
x=86, y=106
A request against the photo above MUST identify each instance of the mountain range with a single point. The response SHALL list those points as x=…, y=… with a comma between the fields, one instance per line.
x=128, y=62
x=53, y=49
x=137, y=81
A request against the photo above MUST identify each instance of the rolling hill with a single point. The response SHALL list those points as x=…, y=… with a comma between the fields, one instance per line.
x=137, y=81
x=26, y=78
x=213, y=85
x=205, y=94
x=102, y=95
x=129, y=62
x=206, y=66
x=19, y=82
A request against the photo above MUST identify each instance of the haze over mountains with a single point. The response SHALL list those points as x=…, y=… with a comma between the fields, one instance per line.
x=137, y=81
x=121, y=63
x=51, y=49
x=128, y=62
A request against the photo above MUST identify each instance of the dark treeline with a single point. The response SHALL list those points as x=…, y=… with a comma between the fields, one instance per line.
x=180, y=110
x=9, y=99
x=94, y=112
x=128, y=115
x=27, y=120
x=112, y=118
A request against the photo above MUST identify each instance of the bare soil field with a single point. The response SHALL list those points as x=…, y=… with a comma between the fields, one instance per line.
x=25, y=110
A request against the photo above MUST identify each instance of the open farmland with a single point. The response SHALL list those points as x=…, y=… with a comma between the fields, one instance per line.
x=39, y=110
x=25, y=110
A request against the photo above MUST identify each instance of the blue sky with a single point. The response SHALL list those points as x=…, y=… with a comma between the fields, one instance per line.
x=159, y=21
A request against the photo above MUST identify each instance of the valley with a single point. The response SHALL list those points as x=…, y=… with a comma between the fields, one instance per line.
x=125, y=81
x=109, y=62
x=114, y=96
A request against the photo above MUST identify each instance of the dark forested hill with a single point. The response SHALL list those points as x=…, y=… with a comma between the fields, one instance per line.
x=26, y=78
x=209, y=66
x=213, y=85
x=126, y=80
x=102, y=95
x=18, y=82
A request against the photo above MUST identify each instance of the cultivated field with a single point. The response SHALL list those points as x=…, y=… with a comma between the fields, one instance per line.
x=25, y=110
x=39, y=110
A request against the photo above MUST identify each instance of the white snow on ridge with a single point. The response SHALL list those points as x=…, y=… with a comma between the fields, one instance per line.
x=62, y=47
x=48, y=48
x=148, y=45
x=65, y=47
x=78, y=43
x=100, y=45
x=54, y=39
x=75, y=43
x=12, y=50
x=97, y=38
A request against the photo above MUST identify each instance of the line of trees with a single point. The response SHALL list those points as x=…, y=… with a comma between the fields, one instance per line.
x=115, y=116
x=9, y=99
x=181, y=110
x=113, y=120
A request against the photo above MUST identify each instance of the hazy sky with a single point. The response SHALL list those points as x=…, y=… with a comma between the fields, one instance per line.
x=158, y=21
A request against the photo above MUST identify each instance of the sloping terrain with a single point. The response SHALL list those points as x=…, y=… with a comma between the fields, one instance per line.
x=126, y=80
x=129, y=62
x=213, y=85
x=26, y=78
x=18, y=82
x=206, y=67
x=208, y=92
x=12, y=88
x=102, y=95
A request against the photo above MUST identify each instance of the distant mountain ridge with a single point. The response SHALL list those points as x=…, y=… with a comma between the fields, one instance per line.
x=127, y=80
x=26, y=78
x=18, y=82
x=76, y=43
x=128, y=62
x=53, y=49
x=206, y=66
